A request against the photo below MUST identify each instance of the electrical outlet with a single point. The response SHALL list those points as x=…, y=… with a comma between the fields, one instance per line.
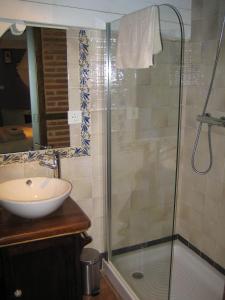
x=74, y=117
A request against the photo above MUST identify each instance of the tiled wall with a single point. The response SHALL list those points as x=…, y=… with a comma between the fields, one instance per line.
x=86, y=173
x=201, y=204
x=144, y=132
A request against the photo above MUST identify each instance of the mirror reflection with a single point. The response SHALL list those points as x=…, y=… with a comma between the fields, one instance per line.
x=33, y=90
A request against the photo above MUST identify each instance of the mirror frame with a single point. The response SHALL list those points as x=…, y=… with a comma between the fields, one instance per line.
x=66, y=152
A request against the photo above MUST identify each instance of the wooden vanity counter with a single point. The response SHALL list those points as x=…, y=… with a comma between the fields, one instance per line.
x=67, y=220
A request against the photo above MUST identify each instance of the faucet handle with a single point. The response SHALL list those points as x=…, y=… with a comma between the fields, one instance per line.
x=56, y=152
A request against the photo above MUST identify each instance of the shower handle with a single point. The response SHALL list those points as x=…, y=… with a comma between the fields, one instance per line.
x=212, y=121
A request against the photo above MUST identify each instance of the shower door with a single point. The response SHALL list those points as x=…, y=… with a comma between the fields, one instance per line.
x=143, y=133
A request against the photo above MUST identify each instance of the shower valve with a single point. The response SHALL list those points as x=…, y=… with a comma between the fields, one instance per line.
x=211, y=121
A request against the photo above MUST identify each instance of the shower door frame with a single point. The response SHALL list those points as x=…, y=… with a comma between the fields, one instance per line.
x=108, y=205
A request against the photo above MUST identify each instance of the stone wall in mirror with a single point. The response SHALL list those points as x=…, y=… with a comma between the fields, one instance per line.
x=44, y=93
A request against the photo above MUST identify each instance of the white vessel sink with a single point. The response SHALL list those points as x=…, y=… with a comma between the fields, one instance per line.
x=34, y=197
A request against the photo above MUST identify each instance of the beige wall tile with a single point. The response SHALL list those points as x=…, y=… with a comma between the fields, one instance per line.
x=200, y=212
x=11, y=171
x=33, y=169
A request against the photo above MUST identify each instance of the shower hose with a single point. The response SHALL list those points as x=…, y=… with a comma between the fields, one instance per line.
x=204, y=113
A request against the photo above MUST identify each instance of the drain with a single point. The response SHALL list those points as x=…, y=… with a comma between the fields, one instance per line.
x=137, y=275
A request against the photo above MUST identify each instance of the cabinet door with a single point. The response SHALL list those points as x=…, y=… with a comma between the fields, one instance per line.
x=46, y=270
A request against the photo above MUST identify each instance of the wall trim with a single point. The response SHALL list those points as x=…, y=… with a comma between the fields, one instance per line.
x=142, y=245
x=166, y=239
x=209, y=260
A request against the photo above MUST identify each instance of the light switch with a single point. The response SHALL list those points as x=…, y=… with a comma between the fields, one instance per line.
x=74, y=117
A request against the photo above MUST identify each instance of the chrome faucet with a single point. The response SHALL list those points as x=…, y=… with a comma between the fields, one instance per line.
x=55, y=165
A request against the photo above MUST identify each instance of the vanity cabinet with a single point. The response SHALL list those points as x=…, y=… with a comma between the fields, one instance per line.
x=47, y=268
x=42, y=270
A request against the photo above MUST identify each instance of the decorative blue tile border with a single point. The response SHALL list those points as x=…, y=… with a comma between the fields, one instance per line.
x=84, y=149
x=84, y=92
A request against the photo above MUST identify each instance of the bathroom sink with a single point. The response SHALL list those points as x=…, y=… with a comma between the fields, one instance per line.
x=34, y=197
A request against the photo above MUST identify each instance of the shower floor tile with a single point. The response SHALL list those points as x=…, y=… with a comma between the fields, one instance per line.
x=154, y=264
x=192, y=277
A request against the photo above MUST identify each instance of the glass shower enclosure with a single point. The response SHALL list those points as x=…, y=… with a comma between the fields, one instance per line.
x=143, y=137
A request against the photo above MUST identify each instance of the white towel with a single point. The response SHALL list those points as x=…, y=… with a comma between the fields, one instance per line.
x=139, y=39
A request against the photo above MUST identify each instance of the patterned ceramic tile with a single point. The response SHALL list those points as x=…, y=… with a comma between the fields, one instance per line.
x=84, y=149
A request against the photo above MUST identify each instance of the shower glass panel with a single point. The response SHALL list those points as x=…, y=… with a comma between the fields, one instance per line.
x=143, y=111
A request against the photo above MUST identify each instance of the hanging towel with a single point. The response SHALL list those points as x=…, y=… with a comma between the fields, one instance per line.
x=139, y=39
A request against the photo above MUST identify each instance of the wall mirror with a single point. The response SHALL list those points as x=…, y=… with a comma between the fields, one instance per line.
x=43, y=75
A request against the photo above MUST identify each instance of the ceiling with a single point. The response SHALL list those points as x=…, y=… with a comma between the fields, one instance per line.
x=115, y=6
